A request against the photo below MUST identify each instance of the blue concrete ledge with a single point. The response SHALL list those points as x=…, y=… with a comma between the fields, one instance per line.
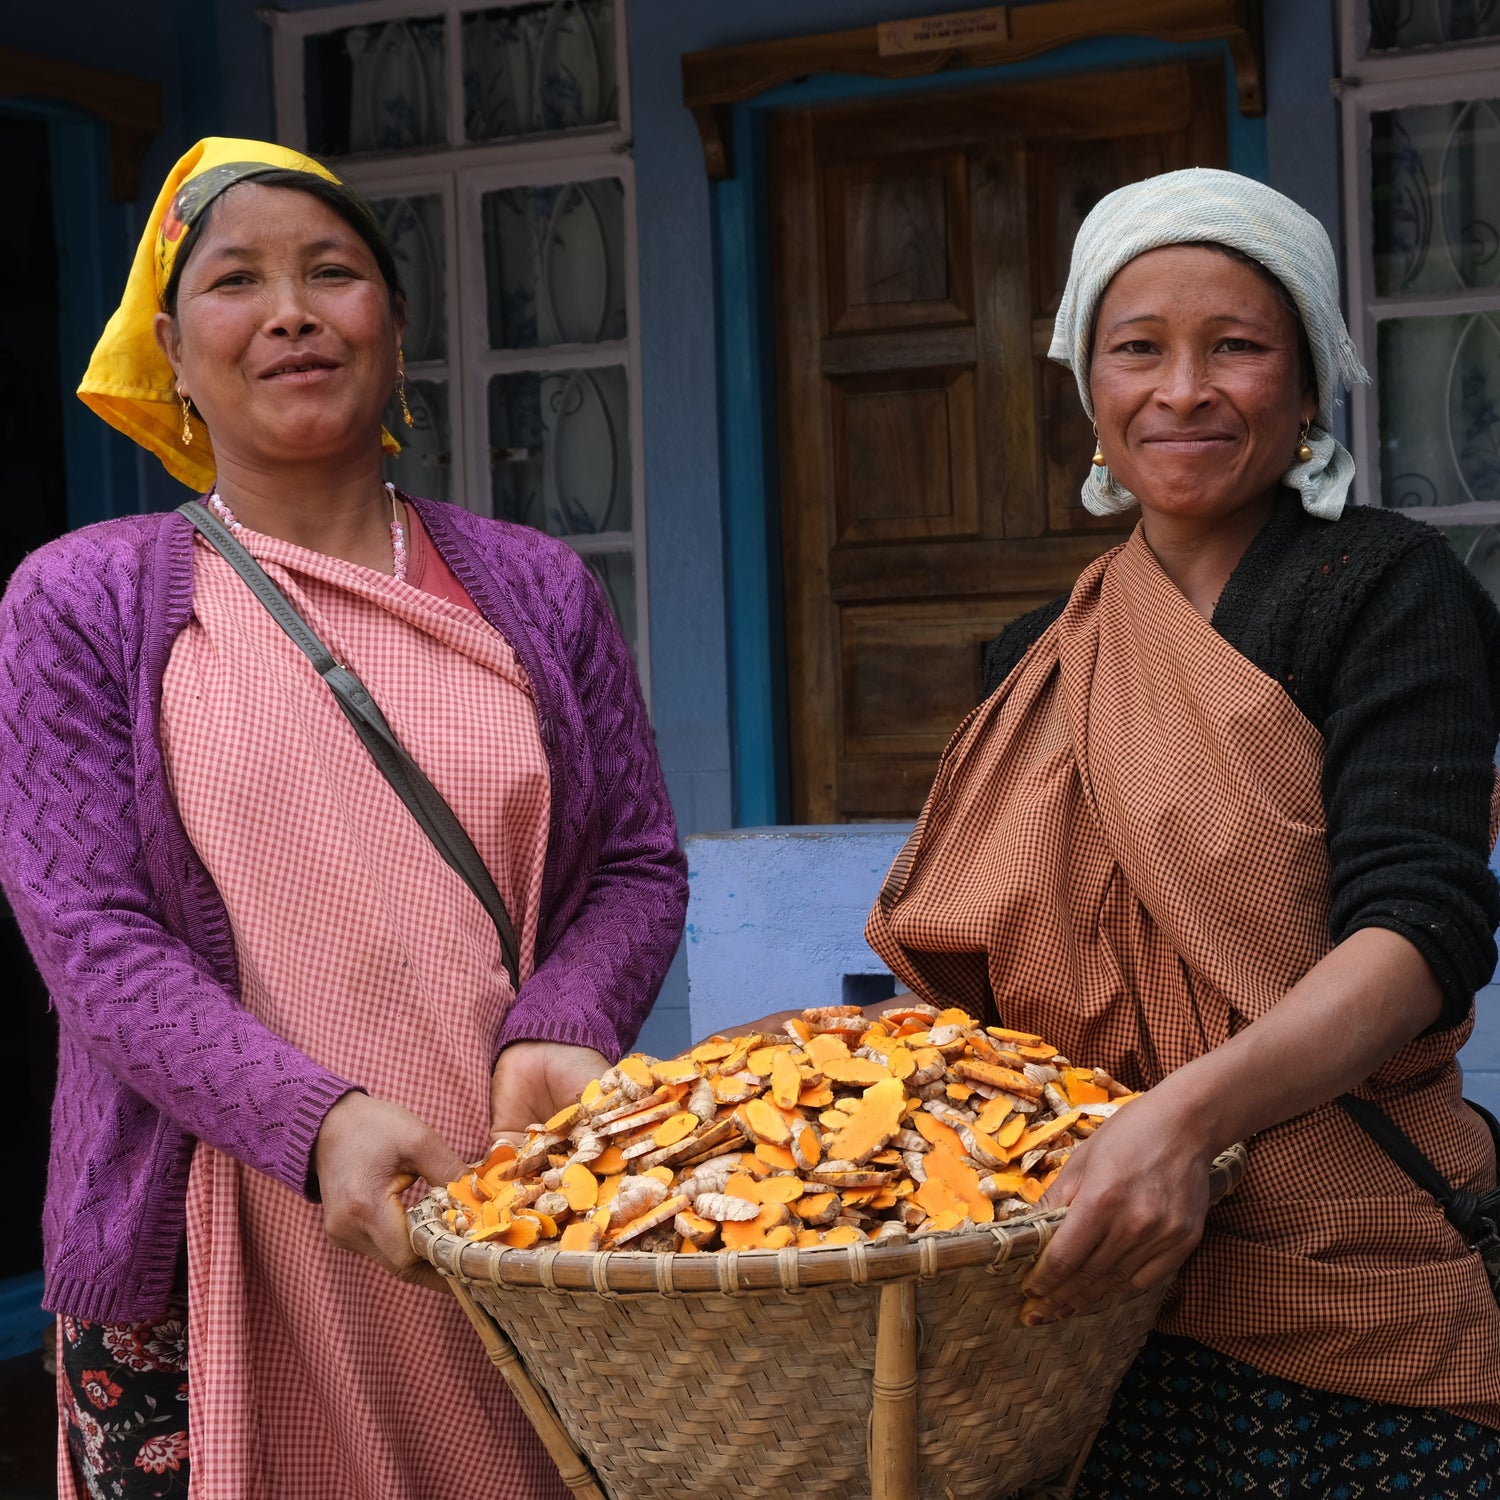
x=22, y=1320
x=776, y=919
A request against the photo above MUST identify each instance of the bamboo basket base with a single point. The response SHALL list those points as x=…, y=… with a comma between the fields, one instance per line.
x=769, y=1394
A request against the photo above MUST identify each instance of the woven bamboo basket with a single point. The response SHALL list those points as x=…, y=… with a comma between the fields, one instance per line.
x=898, y=1370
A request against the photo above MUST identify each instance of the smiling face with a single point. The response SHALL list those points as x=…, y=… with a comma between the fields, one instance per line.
x=284, y=337
x=1197, y=386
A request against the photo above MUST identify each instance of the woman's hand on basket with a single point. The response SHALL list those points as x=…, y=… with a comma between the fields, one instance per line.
x=533, y=1080
x=1137, y=1193
x=368, y=1153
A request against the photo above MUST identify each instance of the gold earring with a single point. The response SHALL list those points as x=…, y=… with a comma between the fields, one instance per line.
x=406, y=415
x=187, y=424
x=1098, y=451
x=1304, y=451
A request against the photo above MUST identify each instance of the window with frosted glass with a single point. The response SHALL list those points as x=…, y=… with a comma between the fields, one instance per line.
x=535, y=68
x=560, y=450
x=425, y=464
x=414, y=228
x=380, y=87
x=1431, y=23
x=1435, y=228
x=554, y=263
x=1435, y=197
x=1440, y=409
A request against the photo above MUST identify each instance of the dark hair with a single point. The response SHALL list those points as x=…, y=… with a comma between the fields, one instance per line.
x=1309, y=369
x=344, y=201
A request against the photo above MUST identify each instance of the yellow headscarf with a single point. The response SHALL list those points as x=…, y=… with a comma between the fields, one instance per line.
x=129, y=382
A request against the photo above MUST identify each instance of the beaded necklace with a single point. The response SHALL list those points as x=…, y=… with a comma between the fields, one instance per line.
x=398, y=533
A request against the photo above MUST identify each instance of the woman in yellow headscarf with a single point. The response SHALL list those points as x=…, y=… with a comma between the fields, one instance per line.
x=279, y=1004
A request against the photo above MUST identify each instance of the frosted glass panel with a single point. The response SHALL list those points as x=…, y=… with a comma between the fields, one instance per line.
x=1440, y=410
x=554, y=263
x=414, y=226
x=1435, y=179
x=377, y=88
x=1425, y=23
x=559, y=450
x=425, y=464
x=616, y=571
x=539, y=67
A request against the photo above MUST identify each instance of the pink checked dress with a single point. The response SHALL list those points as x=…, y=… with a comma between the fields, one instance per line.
x=313, y=1374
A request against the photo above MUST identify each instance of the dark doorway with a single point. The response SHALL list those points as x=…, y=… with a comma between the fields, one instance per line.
x=33, y=510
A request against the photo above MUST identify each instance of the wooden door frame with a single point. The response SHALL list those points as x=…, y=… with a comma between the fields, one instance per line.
x=1003, y=34
x=746, y=356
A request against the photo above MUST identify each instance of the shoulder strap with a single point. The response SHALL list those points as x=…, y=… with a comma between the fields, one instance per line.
x=1462, y=1209
x=425, y=803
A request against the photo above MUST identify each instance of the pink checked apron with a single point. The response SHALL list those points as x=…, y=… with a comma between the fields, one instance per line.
x=313, y=1374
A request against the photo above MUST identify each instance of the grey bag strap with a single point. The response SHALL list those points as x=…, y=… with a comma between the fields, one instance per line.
x=425, y=803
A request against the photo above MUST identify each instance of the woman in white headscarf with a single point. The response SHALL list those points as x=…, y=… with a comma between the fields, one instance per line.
x=1222, y=827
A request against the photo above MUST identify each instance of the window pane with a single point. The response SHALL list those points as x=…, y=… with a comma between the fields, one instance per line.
x=559, y=450
x=1422, y=23
x=1479, y=547
x=616, y=571
x=1440, y=409
x=425, y=464
x=554, y=264
x=414, y=226
x=1435, y=178
x=532, y=68
x=377, y=88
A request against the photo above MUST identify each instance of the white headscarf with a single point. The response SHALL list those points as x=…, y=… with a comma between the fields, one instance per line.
x=1202, y=203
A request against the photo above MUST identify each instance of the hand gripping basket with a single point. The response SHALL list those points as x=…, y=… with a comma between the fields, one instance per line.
x=898, y=1370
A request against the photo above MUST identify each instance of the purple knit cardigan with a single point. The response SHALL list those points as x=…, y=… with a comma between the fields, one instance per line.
x=131, y=935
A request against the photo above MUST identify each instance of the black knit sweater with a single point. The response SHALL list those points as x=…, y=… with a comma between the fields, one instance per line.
x=1389, y=646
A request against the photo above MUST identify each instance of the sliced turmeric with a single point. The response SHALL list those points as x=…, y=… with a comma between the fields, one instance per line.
x=837, y=1131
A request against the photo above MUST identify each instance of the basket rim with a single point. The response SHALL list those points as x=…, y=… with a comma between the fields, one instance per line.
x=610, y=1272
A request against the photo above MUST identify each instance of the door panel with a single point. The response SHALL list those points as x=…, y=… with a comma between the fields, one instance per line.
x=931, y=457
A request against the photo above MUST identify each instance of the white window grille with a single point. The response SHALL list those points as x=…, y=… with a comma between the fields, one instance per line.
x=494, y=144
x=1420, y=96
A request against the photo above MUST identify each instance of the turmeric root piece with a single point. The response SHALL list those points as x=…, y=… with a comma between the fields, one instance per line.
x=1044, y=1133
x=695, y=1229
x=777, y=1158
x=1004, y=1078
x=634, y=1196
x=806, y=1147
x=663, y=1213
x=764, y=1122
x=786, y=1080
x=872, y=1125
x=724, y=1208
x=675, y=1128
x=581, y=1234
x=844, y=1235
x=856, y=1070
x=939, y=1134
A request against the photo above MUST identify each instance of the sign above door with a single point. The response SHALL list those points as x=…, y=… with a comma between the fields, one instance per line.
x=959, y=28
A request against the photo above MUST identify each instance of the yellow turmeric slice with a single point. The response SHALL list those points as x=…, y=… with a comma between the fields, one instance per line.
x=786, y=1081
x=674, y=1128
x=871, y=1126
x=581, y=1234
x=764, y=1122
x=857, y=1070
x=581, y=1187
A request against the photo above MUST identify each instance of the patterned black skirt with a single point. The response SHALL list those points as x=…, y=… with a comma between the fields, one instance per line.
x=1190, y=1421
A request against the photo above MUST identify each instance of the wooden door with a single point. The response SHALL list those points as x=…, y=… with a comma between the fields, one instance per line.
x=931, y=457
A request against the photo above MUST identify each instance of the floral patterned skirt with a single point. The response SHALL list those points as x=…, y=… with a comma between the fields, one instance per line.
x=1189, y=1421
x=124, y=1390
